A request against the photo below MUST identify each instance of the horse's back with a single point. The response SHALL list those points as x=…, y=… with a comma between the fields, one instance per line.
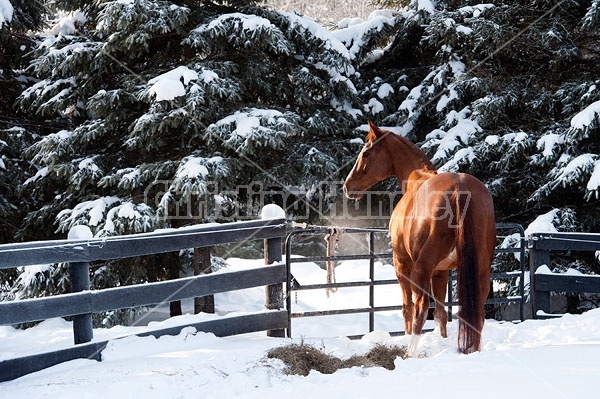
x=428, y=217
x=451, y=197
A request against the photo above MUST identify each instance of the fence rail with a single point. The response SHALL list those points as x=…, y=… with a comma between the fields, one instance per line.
x=83, y=303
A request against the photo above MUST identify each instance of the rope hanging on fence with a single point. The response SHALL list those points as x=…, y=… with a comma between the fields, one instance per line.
x=332, y=238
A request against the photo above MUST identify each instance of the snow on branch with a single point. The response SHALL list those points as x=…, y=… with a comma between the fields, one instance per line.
x=452, y=144
x=591, y=20
x=200, y=86
x=356, y=35
x=51, y=148
x=195, y=173
x=576, y=170
x=108, y=216
x=240, y=31
x=548, y=143
x=48, y=95
x=172, y=84
x=571, y=172
x=509, y=148
x=130, y=25
x=6, y=12
x=586, y=121
x=306, y=25
x=593, y=184
x=250, y=131
x=85, y=171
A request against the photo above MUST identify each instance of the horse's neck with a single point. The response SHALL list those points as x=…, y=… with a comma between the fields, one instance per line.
x=410, y=163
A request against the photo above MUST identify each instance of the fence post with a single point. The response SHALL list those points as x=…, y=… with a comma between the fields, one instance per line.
x=372, y=281
x=80, y=281
x=274, y=292
x=540, y=300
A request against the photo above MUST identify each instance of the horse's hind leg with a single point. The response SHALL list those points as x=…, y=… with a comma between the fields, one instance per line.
x=403, y=267
x=421, y=287
x=439, y=284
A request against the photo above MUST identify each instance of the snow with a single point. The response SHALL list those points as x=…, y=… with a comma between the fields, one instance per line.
x=26, y=276
x=40, y=174
x=192, y=167
x=171, y=85
x=445, y=99
x=65, y=24
x=272, y=211
x=448, y=141
x=88, y=163
x=575, y=167
x=94, y=209
x=554, y=358
x=384, y=90
x=548, y=141
x=544, y=269
x=465, y=30
x=425, y=5
x=127, y=211
x=374, y=106
x=543, y=224
x=398, y=130
x=80, y=232
x=594, y=182
x=411, y=100
x=247, y=122
x=475, y=10
x=492, y=139
x=458, y=68
x=6, y=12
x=586, y=117
x=351, y=31
x=318, y=31
x=249, y=22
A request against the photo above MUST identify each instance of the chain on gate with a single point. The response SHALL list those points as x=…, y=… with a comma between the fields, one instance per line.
x=332, y=238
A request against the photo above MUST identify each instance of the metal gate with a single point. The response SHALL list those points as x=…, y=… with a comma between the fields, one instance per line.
x=372, y=256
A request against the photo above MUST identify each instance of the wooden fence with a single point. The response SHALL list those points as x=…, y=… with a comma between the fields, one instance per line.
x=82, y=302
x=542, y=283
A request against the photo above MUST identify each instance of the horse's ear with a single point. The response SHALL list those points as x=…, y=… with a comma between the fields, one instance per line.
x=374, y=132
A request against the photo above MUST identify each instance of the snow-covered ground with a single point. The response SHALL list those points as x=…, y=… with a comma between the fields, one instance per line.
x=551, y=359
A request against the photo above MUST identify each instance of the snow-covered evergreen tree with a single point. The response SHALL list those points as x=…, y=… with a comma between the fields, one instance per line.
x=166, y=100
x=169, y=107
x=179, y=112
x=509, y=92
x=17, y=17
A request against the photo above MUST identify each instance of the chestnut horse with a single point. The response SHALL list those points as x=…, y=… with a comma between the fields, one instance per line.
x=443, y=221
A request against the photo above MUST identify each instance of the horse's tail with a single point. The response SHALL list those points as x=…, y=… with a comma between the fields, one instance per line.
x=471, y=314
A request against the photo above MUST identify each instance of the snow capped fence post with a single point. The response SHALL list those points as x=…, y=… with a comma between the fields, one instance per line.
x=80, y=281
x=273, y=253
x=537, y=257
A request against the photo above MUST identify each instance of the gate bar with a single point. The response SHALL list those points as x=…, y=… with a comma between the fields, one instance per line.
x=372, y=257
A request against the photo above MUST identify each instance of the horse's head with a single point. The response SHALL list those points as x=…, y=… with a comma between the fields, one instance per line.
x=372, y=166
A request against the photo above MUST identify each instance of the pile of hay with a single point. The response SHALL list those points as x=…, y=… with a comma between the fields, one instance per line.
x=301, y=358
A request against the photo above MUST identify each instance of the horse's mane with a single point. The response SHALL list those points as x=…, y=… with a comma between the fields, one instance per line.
x=427, y=165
